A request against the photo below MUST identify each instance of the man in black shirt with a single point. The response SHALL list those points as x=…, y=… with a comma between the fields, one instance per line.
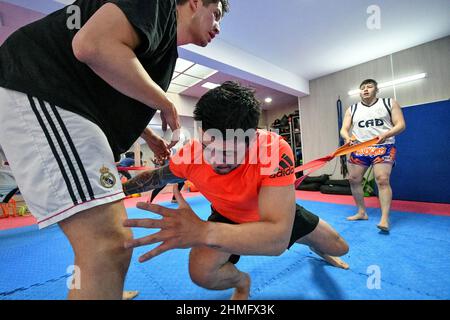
x=82, y=97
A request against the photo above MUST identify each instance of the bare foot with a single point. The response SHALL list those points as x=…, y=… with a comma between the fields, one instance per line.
x=358, y=216
x=383, y=226
x=129, y=295
x=334, y=261
x=242, y=292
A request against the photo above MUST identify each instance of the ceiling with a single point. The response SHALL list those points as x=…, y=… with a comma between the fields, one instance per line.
x=313, y=38
x=189, y=80
x=261, y=92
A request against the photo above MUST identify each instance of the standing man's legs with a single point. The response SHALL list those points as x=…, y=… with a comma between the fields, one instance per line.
x=97, y=238
x=65, y=170
x=356, y=174
x=382, y=173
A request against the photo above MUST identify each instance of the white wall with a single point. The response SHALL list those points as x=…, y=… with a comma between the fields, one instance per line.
x=222, y=56
x=318, y=113
x=184, y=104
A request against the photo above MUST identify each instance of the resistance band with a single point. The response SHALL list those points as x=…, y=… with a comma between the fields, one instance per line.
x=316, y=164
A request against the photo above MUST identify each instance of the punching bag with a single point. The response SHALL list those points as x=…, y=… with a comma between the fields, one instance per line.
x=343, y=158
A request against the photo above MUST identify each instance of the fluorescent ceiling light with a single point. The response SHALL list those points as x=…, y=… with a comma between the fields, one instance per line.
x=199, y=71
x=188, y=74
x=175, y=88
x=268, y=100
x=392, y=83
x=185, y=80
x=210, y=85
x=182, y=65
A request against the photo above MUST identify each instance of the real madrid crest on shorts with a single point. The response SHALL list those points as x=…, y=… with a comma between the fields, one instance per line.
x=107, y=179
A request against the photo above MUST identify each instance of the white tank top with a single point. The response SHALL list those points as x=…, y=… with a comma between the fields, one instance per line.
x=371, y=121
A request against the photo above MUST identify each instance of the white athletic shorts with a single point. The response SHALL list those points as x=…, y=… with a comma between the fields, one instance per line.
x=61, y=161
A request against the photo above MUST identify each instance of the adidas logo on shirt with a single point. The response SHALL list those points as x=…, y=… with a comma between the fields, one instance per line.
x=285, y=167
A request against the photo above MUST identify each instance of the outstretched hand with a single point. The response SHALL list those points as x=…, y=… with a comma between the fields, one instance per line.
x=180, y=228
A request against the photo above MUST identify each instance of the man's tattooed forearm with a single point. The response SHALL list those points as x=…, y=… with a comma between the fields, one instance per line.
x=150, y=180
x=142, y=182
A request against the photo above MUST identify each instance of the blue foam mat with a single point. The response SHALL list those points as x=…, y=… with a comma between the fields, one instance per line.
x=413, y=261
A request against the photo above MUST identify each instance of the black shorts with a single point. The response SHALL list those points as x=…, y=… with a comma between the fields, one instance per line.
x=304, y=223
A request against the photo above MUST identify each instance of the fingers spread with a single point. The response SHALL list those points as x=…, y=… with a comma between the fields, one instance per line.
x=165, y=246
x=144, y=223
x=141, y=241
x=150, y=239
x=163, y=211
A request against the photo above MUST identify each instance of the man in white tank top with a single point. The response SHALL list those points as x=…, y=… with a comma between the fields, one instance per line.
x=372, y=117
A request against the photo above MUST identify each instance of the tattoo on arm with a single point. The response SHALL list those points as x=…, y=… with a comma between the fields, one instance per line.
x=150, y=180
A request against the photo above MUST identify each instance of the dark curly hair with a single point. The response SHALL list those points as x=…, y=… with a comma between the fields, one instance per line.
x=229, y=106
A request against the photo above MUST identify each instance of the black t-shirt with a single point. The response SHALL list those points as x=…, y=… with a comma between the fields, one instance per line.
x=38, y=59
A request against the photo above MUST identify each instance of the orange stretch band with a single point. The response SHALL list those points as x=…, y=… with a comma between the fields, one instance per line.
x=319, y=163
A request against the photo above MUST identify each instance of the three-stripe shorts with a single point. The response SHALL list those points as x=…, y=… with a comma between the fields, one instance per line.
x=61, y=161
